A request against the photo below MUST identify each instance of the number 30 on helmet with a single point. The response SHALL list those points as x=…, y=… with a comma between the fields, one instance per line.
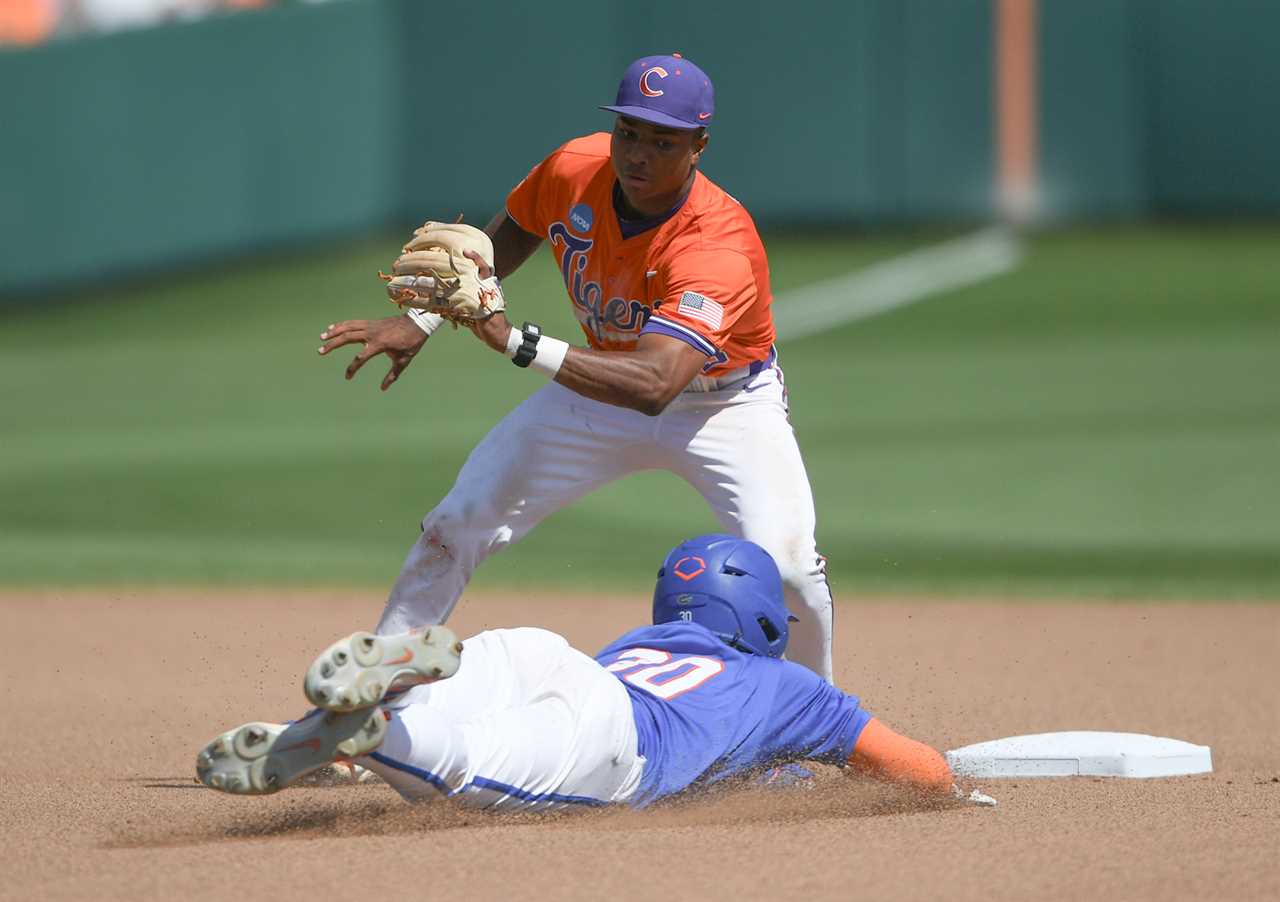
x=728, y=585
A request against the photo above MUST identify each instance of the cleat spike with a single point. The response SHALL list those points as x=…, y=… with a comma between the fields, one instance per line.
x=326, y=670
x=436, y=672
x=340, y=658
x=457, y=646
x=426, y=636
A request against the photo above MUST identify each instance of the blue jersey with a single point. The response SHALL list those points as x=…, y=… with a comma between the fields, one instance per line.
x=705, y=711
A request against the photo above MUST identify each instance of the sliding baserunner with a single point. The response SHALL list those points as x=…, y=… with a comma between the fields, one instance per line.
x=517, y=719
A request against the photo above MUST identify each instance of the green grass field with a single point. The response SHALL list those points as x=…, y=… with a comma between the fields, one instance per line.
x=1105, y=421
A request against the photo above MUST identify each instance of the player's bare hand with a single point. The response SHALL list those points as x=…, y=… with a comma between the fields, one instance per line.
x=484, y=268
x=396, y=336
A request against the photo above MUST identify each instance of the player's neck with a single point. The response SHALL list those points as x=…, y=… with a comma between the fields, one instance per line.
x=657, y=206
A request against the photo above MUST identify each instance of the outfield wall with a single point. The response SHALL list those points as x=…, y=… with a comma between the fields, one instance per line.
x=1159, y=107
x=193, y=142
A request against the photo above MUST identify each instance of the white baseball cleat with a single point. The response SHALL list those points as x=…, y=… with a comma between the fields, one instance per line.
x=358, y=671
x=262, y=758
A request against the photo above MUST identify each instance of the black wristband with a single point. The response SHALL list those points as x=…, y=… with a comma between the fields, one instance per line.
x=528, y=349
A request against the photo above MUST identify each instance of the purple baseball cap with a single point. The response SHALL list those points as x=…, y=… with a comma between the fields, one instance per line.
x=666, y=90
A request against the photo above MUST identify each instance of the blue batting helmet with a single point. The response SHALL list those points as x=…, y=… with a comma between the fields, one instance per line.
x=730, y=586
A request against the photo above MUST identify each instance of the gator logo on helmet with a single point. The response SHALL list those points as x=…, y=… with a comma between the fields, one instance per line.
x=688, y=567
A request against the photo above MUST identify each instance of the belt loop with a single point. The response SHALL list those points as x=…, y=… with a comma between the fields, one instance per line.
x=714, y=383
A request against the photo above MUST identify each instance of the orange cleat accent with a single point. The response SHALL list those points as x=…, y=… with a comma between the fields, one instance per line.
x=407, y=656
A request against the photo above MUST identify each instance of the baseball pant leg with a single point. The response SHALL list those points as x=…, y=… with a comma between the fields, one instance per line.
x=739, y=451
x=536, y=725
x=551, y=450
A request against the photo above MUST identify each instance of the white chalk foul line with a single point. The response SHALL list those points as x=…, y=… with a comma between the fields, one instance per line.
x=896, y=282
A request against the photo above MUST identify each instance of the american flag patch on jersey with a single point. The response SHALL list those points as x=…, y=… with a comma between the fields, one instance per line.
x=701, y=308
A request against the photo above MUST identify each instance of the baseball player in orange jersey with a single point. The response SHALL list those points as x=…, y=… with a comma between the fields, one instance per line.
x=669, y=280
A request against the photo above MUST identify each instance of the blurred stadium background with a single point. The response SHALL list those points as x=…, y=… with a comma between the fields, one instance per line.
x=191, y=191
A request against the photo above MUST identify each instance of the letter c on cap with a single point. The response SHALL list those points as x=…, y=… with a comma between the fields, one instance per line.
x=644, y=81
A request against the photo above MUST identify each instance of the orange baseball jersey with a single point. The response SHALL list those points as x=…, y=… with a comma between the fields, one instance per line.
x=701, y=276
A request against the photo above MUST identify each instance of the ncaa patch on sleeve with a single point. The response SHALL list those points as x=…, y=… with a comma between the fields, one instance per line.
x=701, y=308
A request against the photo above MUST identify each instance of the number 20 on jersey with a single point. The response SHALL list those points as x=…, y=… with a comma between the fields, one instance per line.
x=659, y=674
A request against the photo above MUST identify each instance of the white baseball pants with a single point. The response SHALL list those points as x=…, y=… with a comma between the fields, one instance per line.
x=735, y=446
x=527, y=723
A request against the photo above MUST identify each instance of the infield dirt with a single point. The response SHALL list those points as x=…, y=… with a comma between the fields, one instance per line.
x=108, y=696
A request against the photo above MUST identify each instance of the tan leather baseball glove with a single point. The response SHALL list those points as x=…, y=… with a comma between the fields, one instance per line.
x=435, y=274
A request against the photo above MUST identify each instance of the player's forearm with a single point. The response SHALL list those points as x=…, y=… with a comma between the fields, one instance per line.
x=618, y=378
x=645, y=380
x=882, y=753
